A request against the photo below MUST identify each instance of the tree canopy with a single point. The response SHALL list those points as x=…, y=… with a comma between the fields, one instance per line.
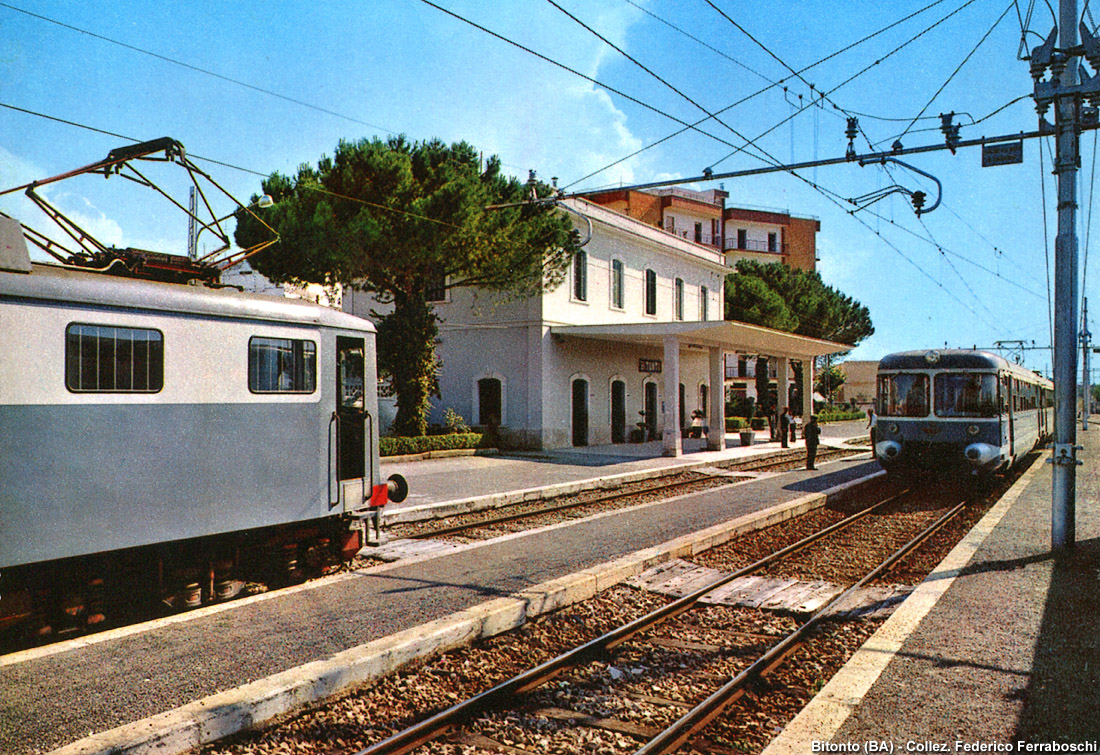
x=796, y=301
x=404, y=220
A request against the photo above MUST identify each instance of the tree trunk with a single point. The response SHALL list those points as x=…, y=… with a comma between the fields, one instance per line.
x=406, y=355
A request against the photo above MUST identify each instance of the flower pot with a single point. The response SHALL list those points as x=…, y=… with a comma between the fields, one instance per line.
x=747, y=437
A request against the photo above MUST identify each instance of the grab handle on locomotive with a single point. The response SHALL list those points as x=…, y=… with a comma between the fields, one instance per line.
x=333, y=474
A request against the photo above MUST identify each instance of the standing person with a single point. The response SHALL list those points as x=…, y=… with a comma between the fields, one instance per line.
x=872, y=423
x=785, y=425
x=811, y=433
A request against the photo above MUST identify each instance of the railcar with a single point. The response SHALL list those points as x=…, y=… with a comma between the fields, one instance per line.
x=960, y=411
x=173, y=440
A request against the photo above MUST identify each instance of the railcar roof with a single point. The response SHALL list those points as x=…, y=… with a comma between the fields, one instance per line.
x=62, y=284
x=956, y=359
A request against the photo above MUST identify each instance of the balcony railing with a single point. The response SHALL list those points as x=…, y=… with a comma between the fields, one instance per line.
x=751, y=245
x=689, y=234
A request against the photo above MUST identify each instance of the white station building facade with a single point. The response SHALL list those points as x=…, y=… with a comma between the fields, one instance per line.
x=631, y=346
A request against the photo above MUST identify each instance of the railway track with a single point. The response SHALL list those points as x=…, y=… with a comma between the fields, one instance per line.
x=143, y=607
x=632, y=669
x=622, y=497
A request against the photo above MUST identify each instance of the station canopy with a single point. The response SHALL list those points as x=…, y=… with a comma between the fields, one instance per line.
x=725, y=334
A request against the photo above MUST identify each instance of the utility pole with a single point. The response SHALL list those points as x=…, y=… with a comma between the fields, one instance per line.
x=1086, y=373
x=1063, y=91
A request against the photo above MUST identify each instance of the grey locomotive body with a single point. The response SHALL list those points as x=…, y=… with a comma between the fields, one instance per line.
x=176, y=431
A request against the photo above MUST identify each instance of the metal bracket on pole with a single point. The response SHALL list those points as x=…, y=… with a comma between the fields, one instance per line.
x=1065, y=454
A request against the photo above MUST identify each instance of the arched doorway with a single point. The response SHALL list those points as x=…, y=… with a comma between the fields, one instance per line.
x=580, y=412
x=651, y=410
x=618, y=411
x=489, y=402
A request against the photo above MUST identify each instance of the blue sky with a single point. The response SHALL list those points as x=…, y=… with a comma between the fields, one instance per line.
x=972, y=272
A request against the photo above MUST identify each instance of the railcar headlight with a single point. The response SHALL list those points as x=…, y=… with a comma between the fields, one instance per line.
x=893, y=427
x=972, y=429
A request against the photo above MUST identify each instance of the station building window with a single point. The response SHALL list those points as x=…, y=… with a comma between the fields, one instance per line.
x=282, y=365
x=650, y=292
x=107, y=359
x=704, y=304
x=617, y=280
x=679, y=299
x=580, y=276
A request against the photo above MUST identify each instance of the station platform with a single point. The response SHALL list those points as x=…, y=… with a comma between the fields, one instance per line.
x=170, y=685
x=446, y=485
x=998, y=650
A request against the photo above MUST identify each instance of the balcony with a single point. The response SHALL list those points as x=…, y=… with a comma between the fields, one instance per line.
x=705, y=239
x=752, y=245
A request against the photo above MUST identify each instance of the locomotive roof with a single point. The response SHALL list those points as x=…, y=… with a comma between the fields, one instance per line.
x=62, y=284
x=956, y=359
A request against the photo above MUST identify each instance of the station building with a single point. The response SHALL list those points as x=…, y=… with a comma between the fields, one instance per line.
x=630, y=347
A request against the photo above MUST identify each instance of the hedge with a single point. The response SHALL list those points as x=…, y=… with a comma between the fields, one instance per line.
x=741, y=423
x=423, y=444
x=838, y=415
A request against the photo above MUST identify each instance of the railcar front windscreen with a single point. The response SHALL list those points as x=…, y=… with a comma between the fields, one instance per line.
x=903, y=395
x=966, y=394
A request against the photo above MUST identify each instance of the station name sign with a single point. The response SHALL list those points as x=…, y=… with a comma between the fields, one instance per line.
x=649, y=365
x=1003, y=153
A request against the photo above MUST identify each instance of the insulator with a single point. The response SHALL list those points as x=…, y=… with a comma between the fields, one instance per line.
x=918, y=201
x=853, y=128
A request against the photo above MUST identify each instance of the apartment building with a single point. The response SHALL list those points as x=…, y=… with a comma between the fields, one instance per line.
x=705, y=218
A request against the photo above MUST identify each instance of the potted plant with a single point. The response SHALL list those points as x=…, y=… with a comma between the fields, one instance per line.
x=746, y=433
x=696, y=429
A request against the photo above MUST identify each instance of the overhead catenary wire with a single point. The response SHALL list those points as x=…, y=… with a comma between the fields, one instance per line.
x=652, y=73
x=959, y=67
x=826, y=194
x=197, y=69
x=770, y=158
x=768, y=88
x=105, y=132
x=859, y=73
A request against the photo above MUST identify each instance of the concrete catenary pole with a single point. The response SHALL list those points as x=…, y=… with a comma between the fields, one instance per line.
x=1063, y=503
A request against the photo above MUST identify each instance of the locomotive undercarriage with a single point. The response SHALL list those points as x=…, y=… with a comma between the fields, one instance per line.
x=47, y=602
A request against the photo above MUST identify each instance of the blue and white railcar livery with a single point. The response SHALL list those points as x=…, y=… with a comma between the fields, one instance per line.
x=958, y=411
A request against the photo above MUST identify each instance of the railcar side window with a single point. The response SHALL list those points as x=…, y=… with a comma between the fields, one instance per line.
x=903, y=395
x=107, y=359
x=281, y=365
x=966, y=394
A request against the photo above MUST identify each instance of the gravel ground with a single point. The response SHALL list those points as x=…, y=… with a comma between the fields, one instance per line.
x=648, y=682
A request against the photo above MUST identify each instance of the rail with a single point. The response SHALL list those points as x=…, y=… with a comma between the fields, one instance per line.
x=438, y=724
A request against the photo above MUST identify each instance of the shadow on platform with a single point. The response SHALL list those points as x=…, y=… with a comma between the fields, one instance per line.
x=1062, y=700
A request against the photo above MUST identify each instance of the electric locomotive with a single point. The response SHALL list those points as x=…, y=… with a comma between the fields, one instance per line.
x=957, y=410
x=168, y=440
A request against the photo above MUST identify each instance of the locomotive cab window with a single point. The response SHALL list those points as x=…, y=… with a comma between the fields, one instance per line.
x=281, y=365
x=966, y=394
x=107, y=359
x=903, y=395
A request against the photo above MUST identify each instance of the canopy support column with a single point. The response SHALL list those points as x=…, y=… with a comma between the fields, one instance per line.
x=716, y=438
x=672, y=441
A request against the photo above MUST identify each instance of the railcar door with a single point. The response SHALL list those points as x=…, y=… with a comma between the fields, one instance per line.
x=350, y=409
x=1009, y=404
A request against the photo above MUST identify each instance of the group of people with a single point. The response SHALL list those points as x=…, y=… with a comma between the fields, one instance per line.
x=811, y=433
